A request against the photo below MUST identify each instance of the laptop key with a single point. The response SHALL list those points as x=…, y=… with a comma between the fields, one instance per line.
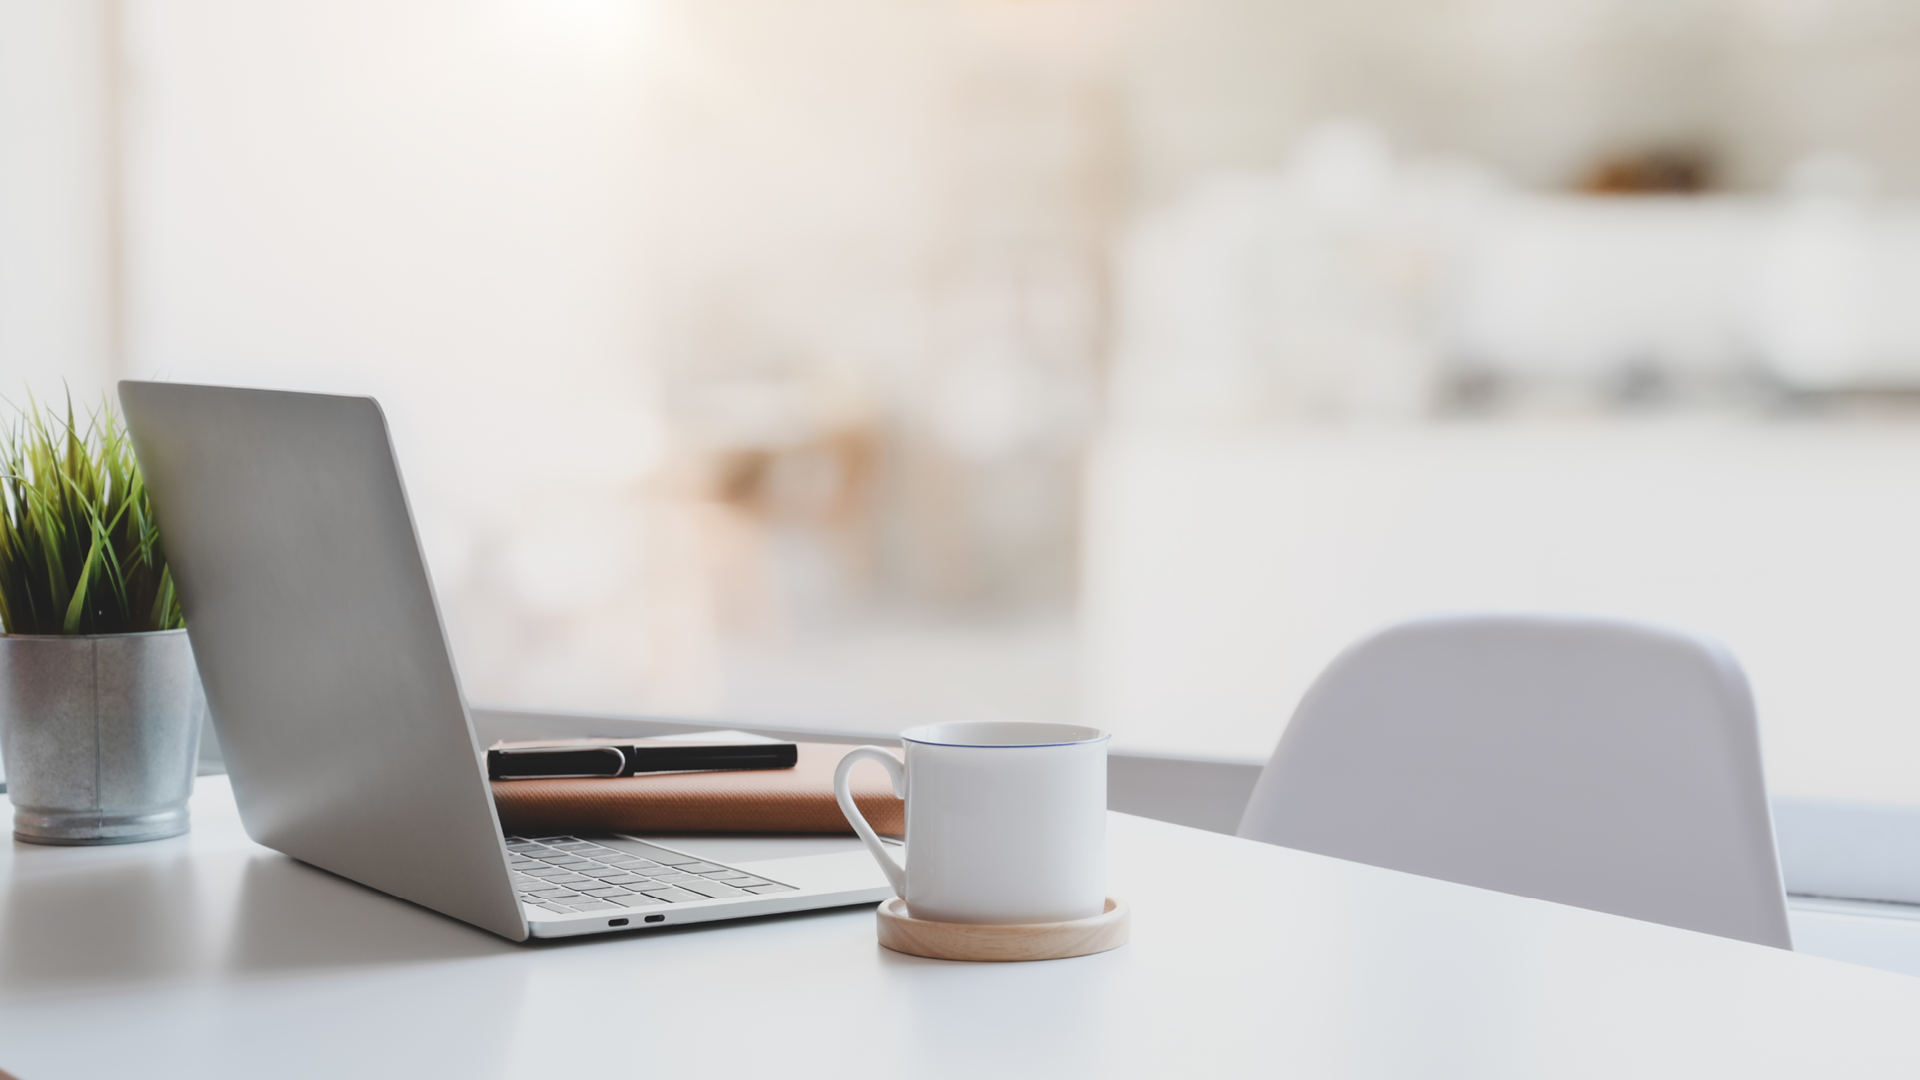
x=625, y=879
x=637, y=900
x=594, y=905
x=561, y=908
x=697, y=868
x=604, y=891
x=599, y=872
x=667, y=875
x=762, y=890
x=743, y=881
x=569, y=879
x=675, y=896
x=711, y=889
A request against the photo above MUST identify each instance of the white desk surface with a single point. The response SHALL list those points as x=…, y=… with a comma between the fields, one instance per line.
x=208, y=956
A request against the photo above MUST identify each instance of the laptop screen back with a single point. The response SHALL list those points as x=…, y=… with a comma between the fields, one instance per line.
x=318, y=638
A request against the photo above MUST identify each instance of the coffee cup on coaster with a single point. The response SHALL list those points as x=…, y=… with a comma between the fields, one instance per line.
x=1006, y=823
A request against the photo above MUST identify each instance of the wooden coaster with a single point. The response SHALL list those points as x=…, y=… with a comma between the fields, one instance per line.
x=902, y=932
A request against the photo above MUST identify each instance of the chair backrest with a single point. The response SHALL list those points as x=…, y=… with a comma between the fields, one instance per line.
x=1601, y=764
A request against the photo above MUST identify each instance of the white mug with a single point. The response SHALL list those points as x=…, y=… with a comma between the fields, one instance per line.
x=1006, y=823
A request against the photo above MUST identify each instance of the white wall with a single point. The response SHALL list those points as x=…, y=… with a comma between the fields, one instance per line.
x=430, y=202
x=57, y=256
x=548, y=234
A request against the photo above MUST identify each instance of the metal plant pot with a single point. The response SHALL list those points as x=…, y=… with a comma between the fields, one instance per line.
x=101, y=735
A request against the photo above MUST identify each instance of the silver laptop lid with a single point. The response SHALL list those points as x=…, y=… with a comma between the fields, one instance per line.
x=318, y=638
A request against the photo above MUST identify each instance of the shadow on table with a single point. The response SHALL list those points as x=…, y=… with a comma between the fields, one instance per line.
x=292, y=916
x=111, y=923
x=123, y=921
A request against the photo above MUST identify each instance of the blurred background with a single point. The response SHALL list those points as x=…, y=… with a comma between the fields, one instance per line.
x=865, y=363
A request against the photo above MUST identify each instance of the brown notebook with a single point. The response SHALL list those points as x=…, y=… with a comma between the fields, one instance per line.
x=796, y=800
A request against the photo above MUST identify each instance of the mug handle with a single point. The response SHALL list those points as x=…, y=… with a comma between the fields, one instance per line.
x=896, y=873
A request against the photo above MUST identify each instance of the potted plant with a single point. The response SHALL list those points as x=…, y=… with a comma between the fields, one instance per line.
x=100, y=705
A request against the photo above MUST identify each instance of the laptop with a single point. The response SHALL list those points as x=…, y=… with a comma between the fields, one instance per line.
x=333, y=692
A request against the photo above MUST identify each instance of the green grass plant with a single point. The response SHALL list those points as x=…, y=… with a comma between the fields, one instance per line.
x=80, y=552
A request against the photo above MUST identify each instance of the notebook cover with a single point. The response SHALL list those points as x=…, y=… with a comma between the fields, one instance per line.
x=796, y=800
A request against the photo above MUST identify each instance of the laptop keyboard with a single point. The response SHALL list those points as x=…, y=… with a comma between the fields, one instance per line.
x=566, y=873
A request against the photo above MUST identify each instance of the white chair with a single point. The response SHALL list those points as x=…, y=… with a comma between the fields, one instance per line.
x=1601, y=764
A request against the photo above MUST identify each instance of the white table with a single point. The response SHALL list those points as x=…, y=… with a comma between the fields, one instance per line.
x=208, y=956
